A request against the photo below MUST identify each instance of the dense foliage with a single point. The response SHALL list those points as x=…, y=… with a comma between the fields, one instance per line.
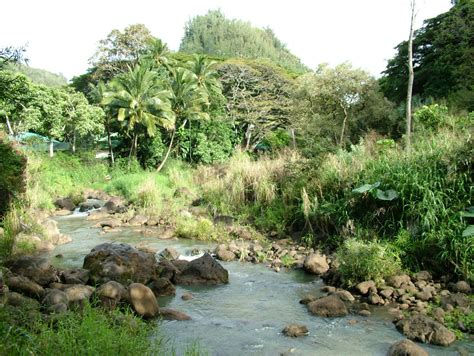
x=41, y=76
x=215, y=35
x=443, y=60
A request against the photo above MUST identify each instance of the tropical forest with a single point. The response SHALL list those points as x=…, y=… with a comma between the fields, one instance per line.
x=225, y=198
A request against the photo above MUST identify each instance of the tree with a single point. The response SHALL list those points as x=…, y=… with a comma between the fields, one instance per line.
x=15, y=95
x=410, y=75
x=139, y=99
x=214, y=35
x=120, y=50
x=339, y=103
x=443, y=55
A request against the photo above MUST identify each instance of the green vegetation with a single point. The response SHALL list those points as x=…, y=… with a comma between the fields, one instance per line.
x=41, y=76
x=214, y=35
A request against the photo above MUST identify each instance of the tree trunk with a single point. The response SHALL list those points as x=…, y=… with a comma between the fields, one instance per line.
x=133, y=150
x=293, y=138
x=109, y=142
x=51, y=148
x=9, y=126
x=343, y=126
x=411, y=77
x=167, y=153
x=74, y=142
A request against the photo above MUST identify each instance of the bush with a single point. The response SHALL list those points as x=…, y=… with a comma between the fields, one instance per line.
x=361, y=261
x=198, y=229
x=431, y=117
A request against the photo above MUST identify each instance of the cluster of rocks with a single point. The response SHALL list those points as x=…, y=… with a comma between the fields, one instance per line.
x=47, y=240
x=113, y=275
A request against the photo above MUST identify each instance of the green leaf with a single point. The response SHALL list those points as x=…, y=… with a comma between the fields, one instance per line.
x=467, y=214
x=469, y=231
x=388, y=195
x=365, y=188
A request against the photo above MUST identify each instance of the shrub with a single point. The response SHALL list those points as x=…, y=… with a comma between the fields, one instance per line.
x=431, y=116
x=360, y=261
x=198, y=229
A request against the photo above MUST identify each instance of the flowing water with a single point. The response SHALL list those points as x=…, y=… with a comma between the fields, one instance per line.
x=247, y=315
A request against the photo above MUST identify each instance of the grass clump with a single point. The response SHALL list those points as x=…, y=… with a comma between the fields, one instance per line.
x=88, y=332
x=198, y=229
x=360, y=261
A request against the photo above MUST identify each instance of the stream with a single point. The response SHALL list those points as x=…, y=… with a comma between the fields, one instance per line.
x=247, y=315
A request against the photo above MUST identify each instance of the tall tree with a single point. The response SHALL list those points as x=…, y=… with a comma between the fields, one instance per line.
x=139, y=99
x=411, y=75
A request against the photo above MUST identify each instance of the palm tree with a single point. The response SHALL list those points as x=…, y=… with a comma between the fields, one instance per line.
x=139, y=99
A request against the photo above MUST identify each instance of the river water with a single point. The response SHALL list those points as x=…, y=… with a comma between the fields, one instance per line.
x=247, y=315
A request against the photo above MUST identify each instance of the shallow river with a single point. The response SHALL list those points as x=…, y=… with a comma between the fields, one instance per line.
x=247, y=315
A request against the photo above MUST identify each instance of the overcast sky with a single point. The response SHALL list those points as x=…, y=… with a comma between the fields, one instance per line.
x=63, y=34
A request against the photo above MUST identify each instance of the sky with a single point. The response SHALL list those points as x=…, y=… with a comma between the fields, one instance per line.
x=61, y=35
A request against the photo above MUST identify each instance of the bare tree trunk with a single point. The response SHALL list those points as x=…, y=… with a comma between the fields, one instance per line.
x=343, y=126
x=109, y=142
x=411, y=76
x=167, y=153
x=293, y=138
x=9, y=126
x=133, y=151
x=74, y=142
x=51, y=148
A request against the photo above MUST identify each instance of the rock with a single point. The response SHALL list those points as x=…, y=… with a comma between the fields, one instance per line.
x=35, y=268
x=111, y=223
x=171, y=314
x=115, y=205
x=59, y=308
x=316, y=263
x=422, y=276
x=328, y=289
x=461, y=287
x=423, y=296
x=374, y=299
x=167, y=270
x=456, y=300
x=308, y=299
x=25, y=286
x=65, y=204
x=438, y=315
x=406, y=348
x=98, y=215
x=55, y=296
x=330, y=306
x=363, y=287
x=53, y=234
x=295, y=330
x=138, y=220
x=187, y=296
x=345, y=296
x=111, y=294
x=365, y=313
x=78, y=294
x=121, y=263
x=143, y=300
x=75, y=276
x=18, y=300
x=162, y=287
x=386, y=293
x=203, y=270
x=169, y=253
x=424, y=329
x=222, y=253
x=397, y=281
x=36, y=243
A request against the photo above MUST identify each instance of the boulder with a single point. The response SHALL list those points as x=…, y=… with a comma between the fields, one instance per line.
x=98, y=214
x=308, y=299
x=55, y=296
x=171, y=314
x=461, y=287
x=65, y=204
x=330, y=306
x=364, y=287
x=386, y=292
x=111, y=223
x=374, y=298
x=18, y=300
x=142, y=300
x=316, y=263
x=59, y=308
x=25, y=239
x=89, y=205
x=162, y=287
x=422, y=276
x=203, y=270
x=397, y=281
x=115, y=205
x=295, y=330
x=167, y=270
x=345, y=296
x=138, y=220
x=35, y=268
x=53, y=234
x=111, y=294
x=187, y=296
x=327, y=289
x=25, y=286
x=224, y=254
x=75, y=276
x=406, y=348
x=456, y=300
x=119, y=262
x=224, y=220
x=78, y=294
x=424, y=329
x=169, y=253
